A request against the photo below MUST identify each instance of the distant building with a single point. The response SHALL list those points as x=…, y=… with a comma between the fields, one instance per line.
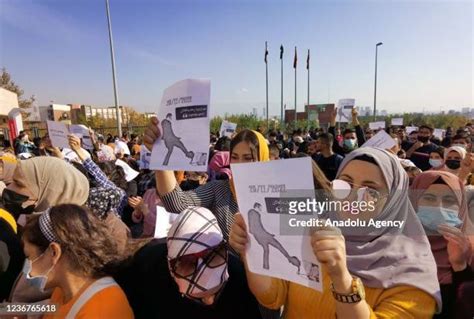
x=466, y=110
x=107, y=113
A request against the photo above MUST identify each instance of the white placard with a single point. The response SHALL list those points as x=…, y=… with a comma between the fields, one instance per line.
x=121, y=147
x=58, y=133
x=377, y=125
x=262, y=188
x=184, y=125
x=398, y=121
x=439, y=133
x=130, y=173
x=410, y=129
x=145, y=156
x=164, y=220
x=227, y=128
x=381, y=140
x=82, y=132
x=344, y=110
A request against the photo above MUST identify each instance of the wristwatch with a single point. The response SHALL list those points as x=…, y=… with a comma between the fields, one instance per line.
x=358, y=292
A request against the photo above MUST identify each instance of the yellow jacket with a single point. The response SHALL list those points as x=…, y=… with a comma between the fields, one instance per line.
x=301, y=302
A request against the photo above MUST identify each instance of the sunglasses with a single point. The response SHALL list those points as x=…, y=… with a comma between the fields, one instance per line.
x=185, y=266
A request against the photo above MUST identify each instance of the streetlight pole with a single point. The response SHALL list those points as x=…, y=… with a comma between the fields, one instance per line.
x=112, y=56
x=375, y=85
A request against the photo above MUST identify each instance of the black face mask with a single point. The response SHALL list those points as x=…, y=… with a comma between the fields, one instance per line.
x=13, y=201
x=423, y=139
x=453, y=164
x=188, y=185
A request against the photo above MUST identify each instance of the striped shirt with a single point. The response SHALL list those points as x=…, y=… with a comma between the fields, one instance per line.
x=215, y=196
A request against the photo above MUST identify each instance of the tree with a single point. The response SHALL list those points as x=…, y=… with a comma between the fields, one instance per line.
x=7, y=83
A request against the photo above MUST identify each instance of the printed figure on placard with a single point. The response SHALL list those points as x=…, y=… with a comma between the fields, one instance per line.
x=172, y=141
x=266, y=239
x=341, y=114
x=310, y=271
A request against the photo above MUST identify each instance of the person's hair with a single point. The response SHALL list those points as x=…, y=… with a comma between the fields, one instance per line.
x=110, y=139
x=250, y=138
x=21, y=135
x=85, y=240
x=469, y=124
x=462, y=137
x=114, y=173
x=168, y=115
x=348, y=131
x=320, y=180
x=426, y=127
x=125, y=135
x=326, y=138
x=439, y=151
x=222, y=144
x=272, y=134
x=274, y=150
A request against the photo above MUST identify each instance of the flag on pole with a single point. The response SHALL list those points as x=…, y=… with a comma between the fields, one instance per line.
x=307, y=61
x=281, y=52
x=266, y=52
x=295, y=61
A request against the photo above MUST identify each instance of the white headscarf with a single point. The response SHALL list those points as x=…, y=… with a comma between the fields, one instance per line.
x=195, y=230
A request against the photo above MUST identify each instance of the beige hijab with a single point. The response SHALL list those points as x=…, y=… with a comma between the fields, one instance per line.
x=53, y=182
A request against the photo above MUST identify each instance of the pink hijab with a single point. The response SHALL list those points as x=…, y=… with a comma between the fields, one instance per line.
x=438, y=244
x=220, y=163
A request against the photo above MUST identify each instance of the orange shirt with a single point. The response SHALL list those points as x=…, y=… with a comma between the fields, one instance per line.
x=110, y=302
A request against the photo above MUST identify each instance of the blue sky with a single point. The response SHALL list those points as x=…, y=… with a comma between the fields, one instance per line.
x=58, y=50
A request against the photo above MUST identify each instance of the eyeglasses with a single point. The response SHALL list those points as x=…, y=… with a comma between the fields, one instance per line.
x=185, y=266
x=343, y=189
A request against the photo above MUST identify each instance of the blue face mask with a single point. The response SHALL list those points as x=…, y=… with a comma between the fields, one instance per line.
x=36, y=281
x=432, y=217
x=350, y=143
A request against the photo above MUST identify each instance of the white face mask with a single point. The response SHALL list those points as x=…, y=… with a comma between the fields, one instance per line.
x=35, y=281
x=460, y=145
x=436, y=162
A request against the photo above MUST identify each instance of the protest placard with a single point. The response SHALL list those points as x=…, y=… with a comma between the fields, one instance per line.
x=269, y=252
x=381, y=140
x=164, y=221
x=184, y=115
x=227, y=128
x=58, y=133
x=130, y=173
x=439, y=133
x=377, y=125
x=344, y=110
x=397, y=121
x=410, y=129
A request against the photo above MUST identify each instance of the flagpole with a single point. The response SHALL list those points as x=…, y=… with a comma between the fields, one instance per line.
x=307, y=108
x=112, y=57
x=281, y=60
x=296, y=113
x=266, y=74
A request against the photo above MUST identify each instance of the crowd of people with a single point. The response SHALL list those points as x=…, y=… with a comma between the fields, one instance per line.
x=77, y=233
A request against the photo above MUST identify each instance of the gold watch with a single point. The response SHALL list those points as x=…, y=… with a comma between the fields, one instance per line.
x=358, y=292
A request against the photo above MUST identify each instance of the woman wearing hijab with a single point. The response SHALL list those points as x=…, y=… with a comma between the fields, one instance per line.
x=189, y=274
x=368, y=272
x=457, y=161
x=39, y=183
x=219, y=166
x=440, y=200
